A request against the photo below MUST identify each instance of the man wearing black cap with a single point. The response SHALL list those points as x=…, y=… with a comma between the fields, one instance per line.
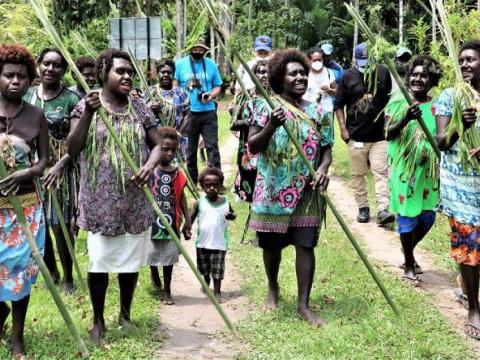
x=199, y=76
x=363, y=130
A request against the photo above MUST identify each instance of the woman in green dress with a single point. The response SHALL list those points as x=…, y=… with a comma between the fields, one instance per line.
x=413, y=163
x=57, y=103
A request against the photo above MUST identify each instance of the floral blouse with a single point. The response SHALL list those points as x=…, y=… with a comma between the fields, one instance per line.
x=281, y=171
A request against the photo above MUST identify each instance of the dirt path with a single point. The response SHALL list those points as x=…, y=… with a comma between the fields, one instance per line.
x=192, y=328
x=385, y=246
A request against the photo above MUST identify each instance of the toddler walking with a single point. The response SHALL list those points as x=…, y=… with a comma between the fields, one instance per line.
x=213, y=210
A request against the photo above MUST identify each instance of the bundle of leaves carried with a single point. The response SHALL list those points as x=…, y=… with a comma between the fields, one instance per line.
x=465, y=96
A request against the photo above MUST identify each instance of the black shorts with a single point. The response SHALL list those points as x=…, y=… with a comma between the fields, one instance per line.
x=303, y=236
x=211, y=262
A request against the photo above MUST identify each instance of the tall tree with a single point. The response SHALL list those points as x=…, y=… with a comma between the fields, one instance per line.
x=179, y=26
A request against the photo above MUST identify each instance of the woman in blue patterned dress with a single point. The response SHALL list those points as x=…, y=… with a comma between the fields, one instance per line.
x=460, y=185
x=287, y=207
x=23, y=136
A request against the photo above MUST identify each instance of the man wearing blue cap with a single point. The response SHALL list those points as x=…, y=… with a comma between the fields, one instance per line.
x=329, y=63
x=363, y=130
x=402, y=62
x=262, y=48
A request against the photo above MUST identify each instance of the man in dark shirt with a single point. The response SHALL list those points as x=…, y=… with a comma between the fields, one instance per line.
x=363, y=130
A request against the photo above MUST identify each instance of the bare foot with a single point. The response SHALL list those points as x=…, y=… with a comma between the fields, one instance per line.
x=220, y=298
x=68, y=288
x=3, y=319
x=97, y=332
x=167, y=298
x=271, y=301
x=18, y=349
x=306, y=314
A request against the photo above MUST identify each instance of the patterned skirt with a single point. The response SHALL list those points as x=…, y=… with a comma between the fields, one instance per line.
x=18, y=271
x=465, y=242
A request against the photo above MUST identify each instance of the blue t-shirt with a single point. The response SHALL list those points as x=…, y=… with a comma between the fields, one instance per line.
x=184, y=74
x=337, y=70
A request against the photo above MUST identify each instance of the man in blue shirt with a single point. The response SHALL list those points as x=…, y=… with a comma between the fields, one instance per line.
x=200, y=78
x=329, y=63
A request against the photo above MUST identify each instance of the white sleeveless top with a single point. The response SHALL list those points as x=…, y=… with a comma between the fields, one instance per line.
x=212, y=225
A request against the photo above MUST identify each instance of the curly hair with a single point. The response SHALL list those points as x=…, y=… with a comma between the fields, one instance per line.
x=18, y=54
x=55, y=50
x=104, y=63
x=277, y=65
x=84, y=62
x=165, y=62
x=168, y=132
x=212, y=171
x=259, y=64
x=471, y=45
x=433, y=67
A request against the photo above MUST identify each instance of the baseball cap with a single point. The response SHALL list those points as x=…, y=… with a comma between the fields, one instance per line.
x=361, y=55
x=402, y=51
x=263, y=43
x=327, y=49
x=201, y=43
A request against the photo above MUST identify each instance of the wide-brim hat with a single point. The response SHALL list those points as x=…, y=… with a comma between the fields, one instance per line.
x=201, y=43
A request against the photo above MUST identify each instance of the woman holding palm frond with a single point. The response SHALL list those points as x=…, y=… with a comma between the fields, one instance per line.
x=113, y=208
x=413, y=175
x=287, y=208
x=460, y=182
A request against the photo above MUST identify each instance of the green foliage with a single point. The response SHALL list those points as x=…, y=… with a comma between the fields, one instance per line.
x=419, y=33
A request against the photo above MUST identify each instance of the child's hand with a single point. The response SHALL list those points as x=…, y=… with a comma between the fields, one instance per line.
x=187, y=231
x=230, y=216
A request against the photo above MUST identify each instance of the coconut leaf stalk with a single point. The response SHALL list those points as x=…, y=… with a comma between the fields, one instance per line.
x=68, y=240
x=84, y=44
x=465, y=96
x=37, y=257
x=208, y=5
x=391, y=66
x=42, y=16
x=191, y=185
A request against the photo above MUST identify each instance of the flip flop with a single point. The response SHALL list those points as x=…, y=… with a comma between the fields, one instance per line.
x=472, y=331
x=461, y=297
x=415, y=281
x=418, y=269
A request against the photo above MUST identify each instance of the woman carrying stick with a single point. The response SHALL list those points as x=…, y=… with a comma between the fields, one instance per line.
x=23, y=133
x=246, y=163
x=113, y=208
x=287, y=207
x=171, y=105
x=460, y=186
x=57, y=102
x=413, y=177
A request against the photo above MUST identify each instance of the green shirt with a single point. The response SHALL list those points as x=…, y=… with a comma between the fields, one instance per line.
x=413, y=164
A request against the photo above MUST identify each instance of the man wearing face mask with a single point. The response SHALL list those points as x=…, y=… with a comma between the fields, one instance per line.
x=363, y=130
x=402, y=62
x=200, y=78
x=262, y=48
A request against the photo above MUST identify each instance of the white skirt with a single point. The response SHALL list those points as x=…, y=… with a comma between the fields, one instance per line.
x=116, y=254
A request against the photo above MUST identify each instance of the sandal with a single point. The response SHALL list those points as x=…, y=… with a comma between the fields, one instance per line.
x=416, y=281
x=472, y=331
x=418, y=269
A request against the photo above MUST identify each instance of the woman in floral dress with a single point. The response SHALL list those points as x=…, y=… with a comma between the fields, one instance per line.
x=287, y=206
x=23, y=137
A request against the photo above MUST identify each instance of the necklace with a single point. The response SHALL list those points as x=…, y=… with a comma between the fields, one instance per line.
x=110, y=110
x=8, y=118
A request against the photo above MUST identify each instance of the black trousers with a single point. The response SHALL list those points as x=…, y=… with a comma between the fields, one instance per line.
x=205, y=124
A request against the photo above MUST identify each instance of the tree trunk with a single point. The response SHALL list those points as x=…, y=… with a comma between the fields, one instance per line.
x=212, y=44
x=250, y=11
x=434, y=26
x=400, y=21
x=179, y=26
x=148, y=7
x=185, y=21
x=355, y=30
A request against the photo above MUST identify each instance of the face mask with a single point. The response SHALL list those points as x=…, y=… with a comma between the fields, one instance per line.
x=196, y=55
x=362, y=69
x=317, y=65
x=258, y=58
